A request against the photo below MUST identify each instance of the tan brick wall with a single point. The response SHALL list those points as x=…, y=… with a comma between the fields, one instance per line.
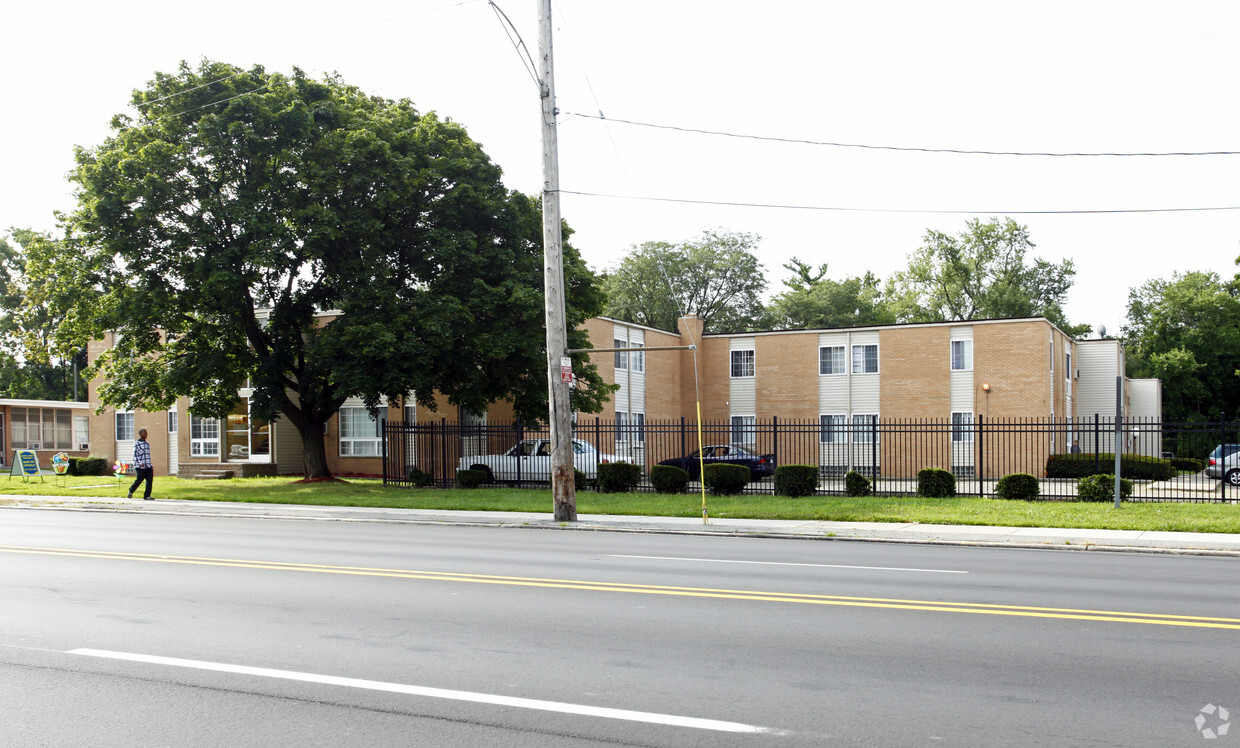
x=663, y=378
x=1014, y=359
x=914, y=364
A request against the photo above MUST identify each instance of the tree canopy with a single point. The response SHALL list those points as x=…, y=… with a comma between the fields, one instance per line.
x=981, y=273
x=715, y=276
x=313, y=243
x=814, y=301
x=1186, y=332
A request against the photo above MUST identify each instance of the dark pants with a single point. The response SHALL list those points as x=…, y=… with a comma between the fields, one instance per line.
x=144, y=474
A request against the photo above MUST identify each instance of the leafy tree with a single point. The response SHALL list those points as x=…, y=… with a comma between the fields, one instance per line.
x=31, y=366
x=715, y=276
x=981, y=273
x=1186, y=332
x=311, y=242
x=813, y=300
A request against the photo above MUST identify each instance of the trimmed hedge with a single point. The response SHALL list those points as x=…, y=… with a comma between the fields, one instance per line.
x=579, y=480
x=796, y=480
x=470, y=478
x=91, y=465
x=856, y=484
x=669, y=479
x=935, y=483
x=420, y=478
x=618, y=477
x=1018, y=486
x=1137, y=467
x=1101, y=487
x=1188, y=463
x=722, y=479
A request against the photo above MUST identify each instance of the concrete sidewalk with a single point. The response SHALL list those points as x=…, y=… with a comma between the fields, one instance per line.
x=974, y=535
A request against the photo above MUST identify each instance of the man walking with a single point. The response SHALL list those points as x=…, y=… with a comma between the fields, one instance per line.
x=142, y=465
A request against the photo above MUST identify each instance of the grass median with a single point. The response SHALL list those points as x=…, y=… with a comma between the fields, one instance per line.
x=1164, y=516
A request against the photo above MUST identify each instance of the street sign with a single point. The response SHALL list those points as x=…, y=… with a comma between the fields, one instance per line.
x=566, y=370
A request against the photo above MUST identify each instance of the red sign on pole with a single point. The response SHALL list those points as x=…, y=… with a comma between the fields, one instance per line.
x=566, y=370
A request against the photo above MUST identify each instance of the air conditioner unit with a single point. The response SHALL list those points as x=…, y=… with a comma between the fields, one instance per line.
x=1076, y=373
x=35, y=445
x=83, y=447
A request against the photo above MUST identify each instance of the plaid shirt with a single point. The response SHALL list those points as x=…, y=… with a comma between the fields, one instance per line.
x=141, y=454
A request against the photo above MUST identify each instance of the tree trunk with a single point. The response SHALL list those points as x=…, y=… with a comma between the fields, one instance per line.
x=314, y=452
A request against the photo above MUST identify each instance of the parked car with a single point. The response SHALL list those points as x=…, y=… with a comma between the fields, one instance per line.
x=530, y=460
x=1224, y=462
x=730, y=454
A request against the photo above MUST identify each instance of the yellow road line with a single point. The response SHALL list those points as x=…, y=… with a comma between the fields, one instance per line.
x=1025, y=611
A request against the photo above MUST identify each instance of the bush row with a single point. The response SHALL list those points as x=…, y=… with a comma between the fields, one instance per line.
x=90, y=465
x=1137, y=467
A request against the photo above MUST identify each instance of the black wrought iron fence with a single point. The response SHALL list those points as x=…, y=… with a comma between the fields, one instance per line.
x=889, y=452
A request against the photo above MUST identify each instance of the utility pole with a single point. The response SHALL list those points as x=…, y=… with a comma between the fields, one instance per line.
x=559, y=373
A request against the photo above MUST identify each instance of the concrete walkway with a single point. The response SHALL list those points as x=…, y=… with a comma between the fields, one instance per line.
x=974, y=535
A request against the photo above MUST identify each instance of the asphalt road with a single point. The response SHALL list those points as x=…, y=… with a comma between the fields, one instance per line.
x=124, y=629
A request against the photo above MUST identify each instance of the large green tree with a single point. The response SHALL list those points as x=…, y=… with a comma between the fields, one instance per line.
x=314, y=243
x=715, y=276
x=981, y=273
x=1186, y=332
x=813, y=300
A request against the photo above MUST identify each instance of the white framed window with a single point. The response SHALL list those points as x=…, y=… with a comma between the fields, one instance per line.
x=962, y=426
x=174, y=421
x=832, y=426
x=962, y=355
x=81, y=430
x=204, y=436
x=743, y=364
x=48, y=428
x=359, y=433
x=630, y=427
x=831, y=360
x=637, y=359
x=863, y=428
x=744, y=428
x=124, y=425
x=622, y=357
x=23, y=431
x=1067, y=365
x=865, y=359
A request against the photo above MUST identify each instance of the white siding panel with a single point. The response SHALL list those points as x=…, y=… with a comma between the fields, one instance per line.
x=962, y=390
x=286, y=448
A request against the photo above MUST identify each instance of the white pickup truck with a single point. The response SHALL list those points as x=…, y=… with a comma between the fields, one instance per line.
x=530, y=460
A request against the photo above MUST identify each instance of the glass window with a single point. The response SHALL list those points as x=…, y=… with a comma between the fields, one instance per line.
x=622, y=358
x=172, y=421
x=81, y=430
x=962, y=355
x=359, y=433
x=20, y=432
x=865, y=359
x=124, y=426
x=962, y=426
x=831, y=427
x=630, y=427
x=1067, y=365
x=742, y=364
x=637, y=359
x=744, y=429
x=864, y=431
x=64, y=429
x=204, y=436
x=831, y=360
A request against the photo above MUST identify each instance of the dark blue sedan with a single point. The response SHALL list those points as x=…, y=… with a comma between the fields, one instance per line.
x=720, y=454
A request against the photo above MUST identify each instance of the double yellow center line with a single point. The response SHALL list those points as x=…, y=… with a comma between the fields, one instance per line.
x=1023, y=611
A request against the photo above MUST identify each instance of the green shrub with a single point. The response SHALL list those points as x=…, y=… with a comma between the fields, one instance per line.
x=1188, y=463
x=668, y=479
x=1019, y=486
x=579, y=480
x=856, y=484
x=796, y=480
x=1101, y=487
x=618, y=477
x=90, y=465
x=420, y=478
x=470, y=478
x=935, y=483
x=1137, y=467
x=725, y=480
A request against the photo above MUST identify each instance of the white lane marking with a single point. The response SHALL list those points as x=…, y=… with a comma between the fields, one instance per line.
x=435, y=693
x=787, y=563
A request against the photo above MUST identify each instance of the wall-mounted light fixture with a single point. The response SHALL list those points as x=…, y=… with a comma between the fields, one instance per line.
x=986, y=387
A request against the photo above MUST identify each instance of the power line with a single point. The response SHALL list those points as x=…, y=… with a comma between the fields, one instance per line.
x=912, y=149
x=841, y=209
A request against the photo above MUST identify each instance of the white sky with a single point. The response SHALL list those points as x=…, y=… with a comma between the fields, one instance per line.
x=1100, y=75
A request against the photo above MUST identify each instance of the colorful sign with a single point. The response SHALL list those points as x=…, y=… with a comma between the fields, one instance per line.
x=60, y=463
x=566, y=370
x=25, y=462
x=120, y=468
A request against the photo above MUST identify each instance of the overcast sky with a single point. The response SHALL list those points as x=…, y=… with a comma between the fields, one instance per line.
x=1095, y=76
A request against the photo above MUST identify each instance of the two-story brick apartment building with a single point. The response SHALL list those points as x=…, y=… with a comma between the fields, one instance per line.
x=843, y=380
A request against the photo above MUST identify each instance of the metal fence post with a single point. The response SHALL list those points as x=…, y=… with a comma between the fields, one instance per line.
x=981, y=457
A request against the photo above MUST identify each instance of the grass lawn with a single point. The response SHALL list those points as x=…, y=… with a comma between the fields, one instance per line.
x=954, y=511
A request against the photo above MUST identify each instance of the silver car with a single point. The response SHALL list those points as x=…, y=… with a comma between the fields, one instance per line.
x=1224, y=462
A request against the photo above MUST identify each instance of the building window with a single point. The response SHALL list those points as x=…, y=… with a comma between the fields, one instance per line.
x=637, y=359
x=173, y=421
x=742, y=364
x=832, y=427
x=81, y=430
x=831, y=360
x=204, y=436
x=44, y=428
x=630, y=427
x=865, y=359
x=1067, y=366
x=359, y=433
x=962, y=426
x=744, y=429
x=622, y=357
x=962, y=355
x=124, y=426
x=864, y=428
